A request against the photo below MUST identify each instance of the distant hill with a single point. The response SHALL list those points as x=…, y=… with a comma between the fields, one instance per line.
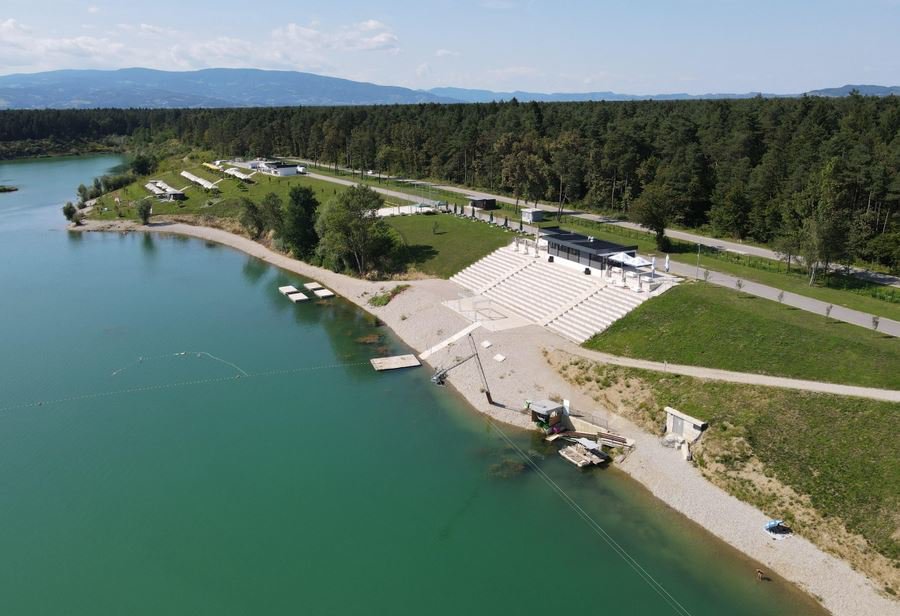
x=864, y=90
x=219, y=87
x=140, y=87
x=486, y=96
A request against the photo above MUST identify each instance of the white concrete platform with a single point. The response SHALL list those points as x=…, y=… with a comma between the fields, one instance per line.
x=297, y=297
x=312, y=286
x=323, y=293
x=394, y=363
x=288, y=289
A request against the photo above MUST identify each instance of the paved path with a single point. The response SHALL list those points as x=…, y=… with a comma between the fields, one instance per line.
x=396, y=194
x=872, y=393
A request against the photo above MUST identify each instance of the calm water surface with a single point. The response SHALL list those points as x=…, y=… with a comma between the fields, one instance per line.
x=269, y=470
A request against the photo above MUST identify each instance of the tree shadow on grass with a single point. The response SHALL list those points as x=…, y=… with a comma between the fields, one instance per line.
x=411, y=255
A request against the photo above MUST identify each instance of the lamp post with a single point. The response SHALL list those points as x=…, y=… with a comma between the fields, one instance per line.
x=698, y=262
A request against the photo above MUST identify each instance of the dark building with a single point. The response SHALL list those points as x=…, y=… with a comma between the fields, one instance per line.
x=587, y=251
x=484, y=204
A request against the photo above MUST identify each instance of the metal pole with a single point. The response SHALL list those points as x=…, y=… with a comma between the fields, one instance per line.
x=698, y=262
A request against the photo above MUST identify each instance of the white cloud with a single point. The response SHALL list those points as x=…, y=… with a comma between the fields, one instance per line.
x=20, y=47
x=291, y=46
x=423, y=69
x=446, y=53
x=369, y=35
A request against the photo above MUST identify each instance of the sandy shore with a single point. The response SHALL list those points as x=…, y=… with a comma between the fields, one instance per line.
x=418, y=317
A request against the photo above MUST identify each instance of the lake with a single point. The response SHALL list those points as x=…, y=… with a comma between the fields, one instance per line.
x=178, y=438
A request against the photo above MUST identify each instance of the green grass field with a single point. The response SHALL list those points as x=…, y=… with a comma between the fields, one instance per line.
x=453, y=245
x=704, y=325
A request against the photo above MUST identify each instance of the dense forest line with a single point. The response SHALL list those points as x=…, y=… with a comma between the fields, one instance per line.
x=815, y=177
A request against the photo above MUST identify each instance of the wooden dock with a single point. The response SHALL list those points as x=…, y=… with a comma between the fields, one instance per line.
x=394, y=363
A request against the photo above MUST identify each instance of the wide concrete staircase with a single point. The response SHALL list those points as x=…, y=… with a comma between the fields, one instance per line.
x=549, y=294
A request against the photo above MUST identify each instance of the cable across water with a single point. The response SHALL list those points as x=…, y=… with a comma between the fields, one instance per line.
x=243, y=375
x=597, y=528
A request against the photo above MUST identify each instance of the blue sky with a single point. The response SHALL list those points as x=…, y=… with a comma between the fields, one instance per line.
x=638, y=46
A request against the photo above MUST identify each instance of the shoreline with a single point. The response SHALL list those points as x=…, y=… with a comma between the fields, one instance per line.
x=418, y=318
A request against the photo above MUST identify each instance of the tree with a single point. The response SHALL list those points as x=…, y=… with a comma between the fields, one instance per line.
x=654, y=210
x=142, y=164
x=351, y=233
x=300, y=221
x=272, y=214
x=144, y=209
x=251, y=218
x=69, y=211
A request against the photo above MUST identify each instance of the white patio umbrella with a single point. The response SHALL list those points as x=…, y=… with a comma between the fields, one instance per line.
x=653, y=266
x=667, y=264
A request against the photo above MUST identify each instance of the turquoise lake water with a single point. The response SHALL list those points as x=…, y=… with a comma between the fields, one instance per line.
x=253, y=463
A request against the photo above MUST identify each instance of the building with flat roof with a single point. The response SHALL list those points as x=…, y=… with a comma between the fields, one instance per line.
x=582, y=249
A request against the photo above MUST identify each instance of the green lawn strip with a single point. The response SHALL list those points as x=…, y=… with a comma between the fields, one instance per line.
x=704, y=325
x=840, y=451
x=448, y=248
x=794, y=282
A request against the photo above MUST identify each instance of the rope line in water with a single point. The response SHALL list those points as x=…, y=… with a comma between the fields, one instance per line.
x=161, y=386
x=598, y=529
x=142, y=359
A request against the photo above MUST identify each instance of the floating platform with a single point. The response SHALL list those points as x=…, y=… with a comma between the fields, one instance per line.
x=312, y=286
x=394, y=363
x=323, y=293
x=288, y=289
x=579, y=455
x=297, y=297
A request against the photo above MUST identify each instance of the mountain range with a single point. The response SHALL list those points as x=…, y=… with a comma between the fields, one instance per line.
x=219, y=87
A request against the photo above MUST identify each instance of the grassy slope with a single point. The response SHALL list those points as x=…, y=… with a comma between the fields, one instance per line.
x=224, y=204
x=834, y=449
x=705, y=325
x=457, y=244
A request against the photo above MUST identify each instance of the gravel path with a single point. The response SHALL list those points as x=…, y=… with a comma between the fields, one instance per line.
x=888, y=395
x=418, y=317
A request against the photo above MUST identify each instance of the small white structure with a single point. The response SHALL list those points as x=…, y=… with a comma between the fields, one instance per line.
x=288, y=289
x=163, y=191
x=301, y=170
x=199, y=181
x=683, y=426
x=237, y=173
x=312, y=286
x=277, y=168
x=532, y=214
x=297, y=297
x=323, y=293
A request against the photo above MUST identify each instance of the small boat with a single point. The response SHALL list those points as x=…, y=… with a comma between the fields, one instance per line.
x=777, y=530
